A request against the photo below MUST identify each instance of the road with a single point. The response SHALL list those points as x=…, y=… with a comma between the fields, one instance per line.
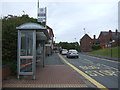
x=102, y=70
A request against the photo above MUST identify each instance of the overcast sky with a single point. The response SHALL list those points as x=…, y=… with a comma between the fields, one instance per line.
x=68, y=18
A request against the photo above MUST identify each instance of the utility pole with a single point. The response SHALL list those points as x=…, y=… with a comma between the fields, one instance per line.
x=23, y=12
x=85, y=38
x=38, y=10
x=75, y=39
x=38, y=4
x=75, y=44
x=84, y=31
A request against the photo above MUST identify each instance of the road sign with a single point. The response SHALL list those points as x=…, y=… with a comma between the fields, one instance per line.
x=41, y=14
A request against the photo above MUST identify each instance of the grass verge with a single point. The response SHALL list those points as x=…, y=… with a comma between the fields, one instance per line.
x=111, y=52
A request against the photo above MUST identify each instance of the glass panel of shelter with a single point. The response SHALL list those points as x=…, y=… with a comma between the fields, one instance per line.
x=26, y=43
x=39, y=52
x=26, y=51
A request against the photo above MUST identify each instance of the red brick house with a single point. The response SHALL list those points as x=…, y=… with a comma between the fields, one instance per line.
x=104, y=40
x=86, y=43
x=106, y=37
x=49, y=44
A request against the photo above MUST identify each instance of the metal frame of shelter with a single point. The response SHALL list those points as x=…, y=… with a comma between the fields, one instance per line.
x=28, y=34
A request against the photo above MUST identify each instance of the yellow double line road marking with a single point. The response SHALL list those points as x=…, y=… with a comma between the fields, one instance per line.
x=85, y=75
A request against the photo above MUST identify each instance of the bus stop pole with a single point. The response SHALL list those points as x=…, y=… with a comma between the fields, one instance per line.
x=34, y=54
x=18, y=55
x=43, y=53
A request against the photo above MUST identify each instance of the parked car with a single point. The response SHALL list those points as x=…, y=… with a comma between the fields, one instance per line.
x=72, y=53
x=64, y=52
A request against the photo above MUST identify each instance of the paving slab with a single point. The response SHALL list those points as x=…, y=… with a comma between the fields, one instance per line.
x=49, y=76
x=55, y=74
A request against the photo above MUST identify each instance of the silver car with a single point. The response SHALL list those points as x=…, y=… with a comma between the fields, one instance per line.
x=72, y=53
x=64, y=52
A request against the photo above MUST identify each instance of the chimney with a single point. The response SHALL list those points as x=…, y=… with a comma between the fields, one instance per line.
x=110, y=32
x=116, y=32
x=94, y=37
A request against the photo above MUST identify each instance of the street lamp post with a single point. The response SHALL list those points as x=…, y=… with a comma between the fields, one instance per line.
x=111, y=49
x=55, y=41
x=111, y=41
x=85, y=39
x=111, y=46
x=75, y=43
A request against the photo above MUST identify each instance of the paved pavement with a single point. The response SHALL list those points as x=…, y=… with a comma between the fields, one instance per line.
x=55, y=74
x=53, y=60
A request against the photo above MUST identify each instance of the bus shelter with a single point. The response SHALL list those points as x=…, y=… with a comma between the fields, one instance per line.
x=31, y=41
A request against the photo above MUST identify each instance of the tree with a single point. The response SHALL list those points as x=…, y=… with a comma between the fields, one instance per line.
x=9, y=38
x=66, y=45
